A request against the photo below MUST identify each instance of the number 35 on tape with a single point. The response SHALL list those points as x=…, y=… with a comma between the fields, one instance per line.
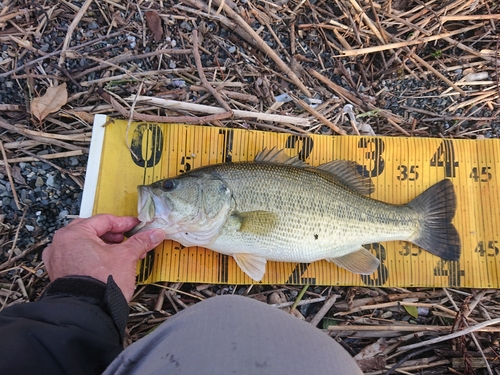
x=400, y=168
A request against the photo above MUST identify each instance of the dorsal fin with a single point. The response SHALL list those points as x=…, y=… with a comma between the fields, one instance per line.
x=279, y=157
x=346, y=173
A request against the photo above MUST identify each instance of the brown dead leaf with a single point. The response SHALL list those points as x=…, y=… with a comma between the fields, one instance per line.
x=52, y=101
x=17, y=176
x=153, y=21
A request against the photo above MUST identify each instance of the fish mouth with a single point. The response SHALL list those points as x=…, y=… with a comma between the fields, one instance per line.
x=146, y=205
x=152, y=211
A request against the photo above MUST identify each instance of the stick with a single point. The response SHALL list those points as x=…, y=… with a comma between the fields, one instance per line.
x=364, y=51
x=442, y=77
x=471, y=17
x=303, y=302
x=324, y=309
x=168, y=119
x=451, y=335
x=20, y=130
x=265, y=48
x=176, y=105
x=72, y=28
x=48, y=156
x=9, y=176
x=201, y=73
x=402, y=328
x=318, y=115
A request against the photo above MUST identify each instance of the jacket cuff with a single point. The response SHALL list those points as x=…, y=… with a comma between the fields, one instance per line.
x=108, y=296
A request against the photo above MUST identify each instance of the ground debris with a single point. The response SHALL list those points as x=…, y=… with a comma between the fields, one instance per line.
x=402, y=68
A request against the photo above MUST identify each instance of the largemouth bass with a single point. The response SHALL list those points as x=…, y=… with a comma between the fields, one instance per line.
x=281, y=209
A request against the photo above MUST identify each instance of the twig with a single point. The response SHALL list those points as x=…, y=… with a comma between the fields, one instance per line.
x=324, y=309
x=72, y=28
x=201, y=73
x=14, y=241
x=167, y=119
x=299, y=297
x=364, y=51
x=474, y=17
x=9, y=176
x=21, y=130
x=303, y=302
x=431, y=68
x=177, y=105
x=318, y=115
x=57, y=155
x=451, y=336
x=7, y=264
x=401, y=328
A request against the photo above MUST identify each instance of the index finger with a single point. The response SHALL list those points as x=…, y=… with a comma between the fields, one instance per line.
x=106, y=223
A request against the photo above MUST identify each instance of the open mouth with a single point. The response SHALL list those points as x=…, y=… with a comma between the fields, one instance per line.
x=146, y=205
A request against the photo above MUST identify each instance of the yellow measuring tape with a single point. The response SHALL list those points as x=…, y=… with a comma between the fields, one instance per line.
x=401, y=169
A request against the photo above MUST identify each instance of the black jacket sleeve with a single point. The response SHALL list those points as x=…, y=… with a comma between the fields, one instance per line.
x=76, y=327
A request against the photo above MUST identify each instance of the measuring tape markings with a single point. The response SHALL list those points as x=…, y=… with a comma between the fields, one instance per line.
x=396, y=170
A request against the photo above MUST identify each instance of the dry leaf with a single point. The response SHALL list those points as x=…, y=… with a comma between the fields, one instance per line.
x=52, y=101
x=17, y=176
x=153, y=21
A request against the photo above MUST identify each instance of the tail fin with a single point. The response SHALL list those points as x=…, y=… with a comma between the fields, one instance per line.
x=436, y=207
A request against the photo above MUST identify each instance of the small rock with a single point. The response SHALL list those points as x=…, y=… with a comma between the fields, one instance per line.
x=93, y=25
x=39, y=182
x=386, y=315
x=73, y=161
x=29, y=228
x=63, y=214
x=186, y=26
x=51, y=181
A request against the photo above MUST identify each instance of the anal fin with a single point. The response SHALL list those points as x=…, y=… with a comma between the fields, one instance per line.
x=254, y=266
x=361, y=262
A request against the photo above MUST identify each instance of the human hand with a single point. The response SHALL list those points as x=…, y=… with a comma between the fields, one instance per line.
x=93, y=247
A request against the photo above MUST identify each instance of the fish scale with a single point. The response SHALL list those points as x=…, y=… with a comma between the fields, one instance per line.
x=307, y=204
x=279, y=208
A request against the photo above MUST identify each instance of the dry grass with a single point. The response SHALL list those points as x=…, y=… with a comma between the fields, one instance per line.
x=407, y=68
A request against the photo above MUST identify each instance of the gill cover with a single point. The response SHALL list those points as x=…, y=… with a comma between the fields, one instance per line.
x=190, y=208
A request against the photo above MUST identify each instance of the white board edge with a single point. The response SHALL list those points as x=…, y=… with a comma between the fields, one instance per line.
x=93, y=166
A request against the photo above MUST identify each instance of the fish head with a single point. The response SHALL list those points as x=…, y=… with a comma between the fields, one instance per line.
x=190, y=208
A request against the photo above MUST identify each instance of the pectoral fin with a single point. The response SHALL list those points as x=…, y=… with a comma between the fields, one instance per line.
x=256, y=222
x=361, y=262
x=254, y=266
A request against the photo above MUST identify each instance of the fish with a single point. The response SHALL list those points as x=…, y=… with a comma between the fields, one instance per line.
x=278, y=208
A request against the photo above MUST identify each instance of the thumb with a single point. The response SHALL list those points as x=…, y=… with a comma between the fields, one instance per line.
x=143, y=242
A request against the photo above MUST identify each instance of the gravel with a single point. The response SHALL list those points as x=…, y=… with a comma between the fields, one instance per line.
x=48, y=197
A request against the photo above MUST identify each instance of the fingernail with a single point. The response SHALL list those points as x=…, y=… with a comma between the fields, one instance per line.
x=157, y=236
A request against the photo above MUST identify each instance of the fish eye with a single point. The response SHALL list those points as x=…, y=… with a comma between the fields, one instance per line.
x=168, y=185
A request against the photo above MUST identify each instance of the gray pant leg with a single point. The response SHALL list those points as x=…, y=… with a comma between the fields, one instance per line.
x=234, y=335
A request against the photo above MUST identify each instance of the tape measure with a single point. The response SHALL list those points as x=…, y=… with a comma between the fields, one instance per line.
x=400, y=168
